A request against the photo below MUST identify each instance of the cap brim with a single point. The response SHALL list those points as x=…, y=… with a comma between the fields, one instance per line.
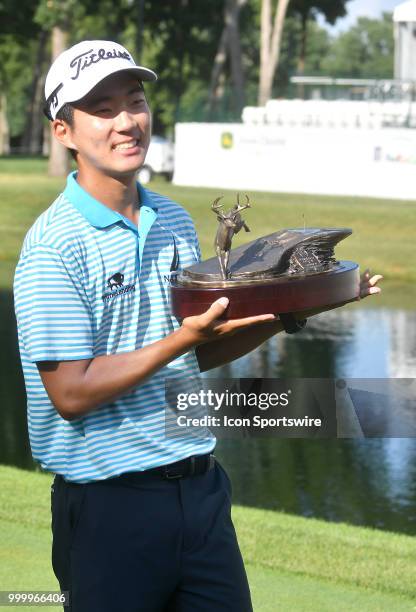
x=144, y=74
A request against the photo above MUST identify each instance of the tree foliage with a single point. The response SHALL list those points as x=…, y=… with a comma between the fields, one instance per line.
x=16, y=68
x=309, y=9
x=318, y=44
x=179, y=39
x=364, y=51
x=180, y=42
x=17, y=19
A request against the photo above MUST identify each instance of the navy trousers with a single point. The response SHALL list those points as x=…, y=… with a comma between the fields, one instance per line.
x=153, y=546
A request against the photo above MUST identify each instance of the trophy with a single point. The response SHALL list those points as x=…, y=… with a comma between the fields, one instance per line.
x=288, y=271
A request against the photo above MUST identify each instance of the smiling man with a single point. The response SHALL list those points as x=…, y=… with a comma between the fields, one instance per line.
x=140, y=521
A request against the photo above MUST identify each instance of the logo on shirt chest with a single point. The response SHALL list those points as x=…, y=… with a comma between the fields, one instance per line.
x=116, y=286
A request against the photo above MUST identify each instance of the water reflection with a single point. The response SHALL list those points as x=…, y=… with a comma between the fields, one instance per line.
x=349, y=343
x=368, y=482
x=363, y=482
x=14, y=443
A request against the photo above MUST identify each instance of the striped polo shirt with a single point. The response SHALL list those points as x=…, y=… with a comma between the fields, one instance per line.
x=90, y=282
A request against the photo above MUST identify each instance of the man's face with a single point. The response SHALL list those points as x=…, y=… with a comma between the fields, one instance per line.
x=112, y=127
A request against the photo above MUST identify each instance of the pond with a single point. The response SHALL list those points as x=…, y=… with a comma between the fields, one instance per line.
x=361, y=481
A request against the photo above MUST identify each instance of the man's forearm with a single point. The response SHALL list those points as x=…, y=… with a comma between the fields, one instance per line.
x=77, y=387
x=224, y=350
x=85, y=385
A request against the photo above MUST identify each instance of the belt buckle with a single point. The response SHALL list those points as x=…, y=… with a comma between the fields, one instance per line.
x=184, y=472
x=171, y=476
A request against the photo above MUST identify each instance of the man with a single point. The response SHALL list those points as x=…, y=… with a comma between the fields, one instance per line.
x=140, y=521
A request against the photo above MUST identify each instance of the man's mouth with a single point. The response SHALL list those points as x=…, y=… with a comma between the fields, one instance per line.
x=126, y=145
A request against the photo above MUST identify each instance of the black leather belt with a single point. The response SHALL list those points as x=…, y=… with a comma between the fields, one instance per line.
x=191, y=466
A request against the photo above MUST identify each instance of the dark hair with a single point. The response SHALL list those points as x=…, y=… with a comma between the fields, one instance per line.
x=66, y=113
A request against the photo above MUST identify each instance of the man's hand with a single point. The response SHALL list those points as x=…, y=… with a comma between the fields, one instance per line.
x=209, y=326
x=77, y=387
x=368, y=284
x=223, y=350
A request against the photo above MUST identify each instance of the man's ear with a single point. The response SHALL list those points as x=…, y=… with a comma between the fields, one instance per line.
x=63, y=133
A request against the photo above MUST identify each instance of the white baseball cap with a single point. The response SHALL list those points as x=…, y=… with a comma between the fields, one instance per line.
x=79, y=69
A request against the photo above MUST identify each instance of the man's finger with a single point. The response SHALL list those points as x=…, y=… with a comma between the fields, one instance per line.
x=215, y=311
x=374, y=279
x=369, y=291
x=233, y=324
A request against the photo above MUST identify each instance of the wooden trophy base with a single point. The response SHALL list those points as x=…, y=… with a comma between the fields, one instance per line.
x=276, y=295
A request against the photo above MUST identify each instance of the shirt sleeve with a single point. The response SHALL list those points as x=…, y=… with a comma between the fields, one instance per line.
x=197, y=247
x=193, y=239
x=54, y=318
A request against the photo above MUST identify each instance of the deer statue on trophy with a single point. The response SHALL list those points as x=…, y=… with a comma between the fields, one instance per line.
x=230, y=223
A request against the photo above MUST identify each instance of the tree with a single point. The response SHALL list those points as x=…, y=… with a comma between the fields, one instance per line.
x=139, y=29
x=229, y=44
x=33, y=133
x=16, y=69
x=55, y=16
x=4, y=127
x=17, y=20
x=17, y=34
x=318, y=45
x=180, y=42
x=58, y=156
x=185, y=42
x=364, y=51
x=308, y=10
x=272, y=37
x=270, y=42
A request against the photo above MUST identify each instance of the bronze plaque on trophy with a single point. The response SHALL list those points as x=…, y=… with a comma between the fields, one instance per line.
x=287, y=271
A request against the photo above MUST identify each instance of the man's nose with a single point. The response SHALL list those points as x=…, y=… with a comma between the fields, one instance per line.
x=124, y=121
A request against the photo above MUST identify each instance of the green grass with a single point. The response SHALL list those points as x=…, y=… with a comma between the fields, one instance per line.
x=293, y=563
x=17, y=164
x=383, y=238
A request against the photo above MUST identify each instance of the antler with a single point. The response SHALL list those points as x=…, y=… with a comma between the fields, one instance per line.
x=239, y=207
x=215, y=206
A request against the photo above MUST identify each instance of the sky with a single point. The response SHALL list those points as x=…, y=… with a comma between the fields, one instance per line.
x=363, y=8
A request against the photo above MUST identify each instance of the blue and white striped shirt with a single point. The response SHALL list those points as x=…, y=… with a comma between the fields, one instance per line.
x=90, y=282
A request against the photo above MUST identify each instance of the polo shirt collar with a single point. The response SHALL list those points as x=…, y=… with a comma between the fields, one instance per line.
x=97, y=213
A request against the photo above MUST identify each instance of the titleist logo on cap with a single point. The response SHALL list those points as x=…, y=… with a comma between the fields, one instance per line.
x=70, y=75
x=88, y=58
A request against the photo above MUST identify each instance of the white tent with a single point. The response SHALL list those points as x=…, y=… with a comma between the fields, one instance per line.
x=404, y=17
x=405, y=12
